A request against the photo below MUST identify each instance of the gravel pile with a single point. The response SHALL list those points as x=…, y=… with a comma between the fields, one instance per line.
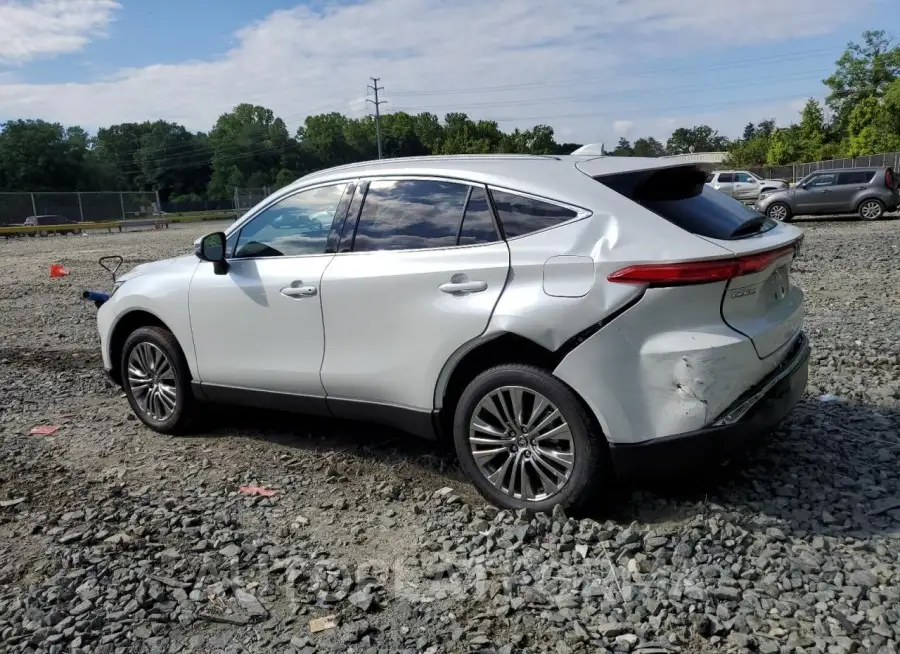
x=272, y=533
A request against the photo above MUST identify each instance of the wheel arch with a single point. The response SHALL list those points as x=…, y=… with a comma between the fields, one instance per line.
x=868, y=198
x=125, y=325
x=487, y=352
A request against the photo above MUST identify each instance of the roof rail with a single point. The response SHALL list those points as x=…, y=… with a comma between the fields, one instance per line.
x=435, y=157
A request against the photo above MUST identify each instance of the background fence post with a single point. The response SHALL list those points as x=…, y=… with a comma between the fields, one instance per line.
x=80, y=208
x=158, y=203
x=33, y=205
x=122, y=203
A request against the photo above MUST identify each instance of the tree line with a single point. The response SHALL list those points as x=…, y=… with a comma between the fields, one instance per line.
x=251, y=147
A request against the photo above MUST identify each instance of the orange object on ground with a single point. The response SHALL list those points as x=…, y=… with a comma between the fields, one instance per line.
x=256, y=490
x=57, y=270
x=44, y=430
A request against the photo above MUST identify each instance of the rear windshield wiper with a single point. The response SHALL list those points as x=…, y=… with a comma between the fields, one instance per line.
x=749, y=226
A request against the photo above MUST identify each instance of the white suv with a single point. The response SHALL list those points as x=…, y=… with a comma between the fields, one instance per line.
x=564, y=320
x=744, y=185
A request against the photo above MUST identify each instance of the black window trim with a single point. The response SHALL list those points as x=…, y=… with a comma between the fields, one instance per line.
x=580, y=212
x=498, y=230
x=237, y=229
x=462, y=217
x=419, y=178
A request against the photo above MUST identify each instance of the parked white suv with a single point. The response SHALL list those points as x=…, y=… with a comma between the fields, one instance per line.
x=564, y=320
x=743, y=185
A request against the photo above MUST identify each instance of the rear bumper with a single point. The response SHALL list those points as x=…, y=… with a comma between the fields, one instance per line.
x=754, y=414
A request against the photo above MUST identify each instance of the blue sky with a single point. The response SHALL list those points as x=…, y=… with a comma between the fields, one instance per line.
x=593, y=69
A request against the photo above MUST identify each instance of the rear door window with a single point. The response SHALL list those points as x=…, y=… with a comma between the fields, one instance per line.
x=520, y=215
x=855, y=177
x=478, y=222
x=726, y=178
x=410, y=214
x=680, y=196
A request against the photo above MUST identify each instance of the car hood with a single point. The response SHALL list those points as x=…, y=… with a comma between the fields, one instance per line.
x=185, y=261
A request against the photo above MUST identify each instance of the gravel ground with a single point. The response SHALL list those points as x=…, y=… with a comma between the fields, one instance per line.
x=115, y=539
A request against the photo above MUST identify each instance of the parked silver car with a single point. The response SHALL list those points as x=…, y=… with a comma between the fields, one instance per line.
x=560, y=320
x=870, y=192
x=742, y=184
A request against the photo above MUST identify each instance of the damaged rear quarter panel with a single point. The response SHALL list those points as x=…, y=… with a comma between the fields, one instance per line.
x=666, y=366
x=550, y=319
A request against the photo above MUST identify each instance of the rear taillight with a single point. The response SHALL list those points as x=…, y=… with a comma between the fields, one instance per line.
x=700, y=272
x=888, y=178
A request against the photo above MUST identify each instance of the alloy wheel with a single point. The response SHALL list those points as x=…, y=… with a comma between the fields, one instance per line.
x=151, y=378
x=870, y=210
x=778, y=212
x=522, y=443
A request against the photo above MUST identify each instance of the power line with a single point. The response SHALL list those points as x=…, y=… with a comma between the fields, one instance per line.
x=800, y=76
x=377, y=104
x=719, y=65
x=252, y=153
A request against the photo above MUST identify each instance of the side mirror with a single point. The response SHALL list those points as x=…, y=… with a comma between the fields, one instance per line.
x=212, y=248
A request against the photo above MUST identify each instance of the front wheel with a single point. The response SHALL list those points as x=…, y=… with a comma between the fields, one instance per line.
x=527, y=442
x=871, y=210
x=156, y=379
x=780, y=211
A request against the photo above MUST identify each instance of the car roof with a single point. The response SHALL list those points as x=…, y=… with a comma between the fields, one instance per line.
x=538, y=174
x=847, y=170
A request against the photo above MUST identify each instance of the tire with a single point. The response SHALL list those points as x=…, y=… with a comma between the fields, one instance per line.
x=172, y=416
x=589, y=470
x=780, y=209
x=871, y=209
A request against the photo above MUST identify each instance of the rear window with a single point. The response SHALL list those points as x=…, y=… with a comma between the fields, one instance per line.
x=856, y=177
x=726, y=178
x=680, y=196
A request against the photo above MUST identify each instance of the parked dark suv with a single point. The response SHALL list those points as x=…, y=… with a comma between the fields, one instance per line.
x=870, y=192
x=52, y=219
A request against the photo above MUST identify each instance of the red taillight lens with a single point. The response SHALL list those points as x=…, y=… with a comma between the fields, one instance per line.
x=699, y=272
x=888, y=178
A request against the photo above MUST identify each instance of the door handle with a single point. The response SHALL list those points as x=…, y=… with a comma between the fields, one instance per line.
x=463, y=287
x=298, y=291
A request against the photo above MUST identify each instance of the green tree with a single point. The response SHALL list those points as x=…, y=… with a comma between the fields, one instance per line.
x=864, y=70
x=648, y=147
x=623, y=148
x=39, y=156
x=701, y=138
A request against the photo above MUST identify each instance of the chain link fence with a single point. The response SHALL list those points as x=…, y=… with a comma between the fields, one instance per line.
x=794, y=172
x=247, y=198
x=100, y=206
x=188, y=206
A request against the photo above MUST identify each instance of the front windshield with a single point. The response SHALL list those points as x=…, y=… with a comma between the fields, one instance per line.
x=752, y=174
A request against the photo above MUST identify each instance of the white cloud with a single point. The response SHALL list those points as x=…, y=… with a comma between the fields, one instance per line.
x=623, y=127
x=569, y=64
x=37, y=28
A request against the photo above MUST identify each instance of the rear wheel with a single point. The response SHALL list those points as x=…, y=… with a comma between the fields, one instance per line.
x=871, y=209
x=780, y=211
x=526, y=440
x=156, y=379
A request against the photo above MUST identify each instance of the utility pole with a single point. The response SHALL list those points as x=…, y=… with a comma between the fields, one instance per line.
x=377, y=104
